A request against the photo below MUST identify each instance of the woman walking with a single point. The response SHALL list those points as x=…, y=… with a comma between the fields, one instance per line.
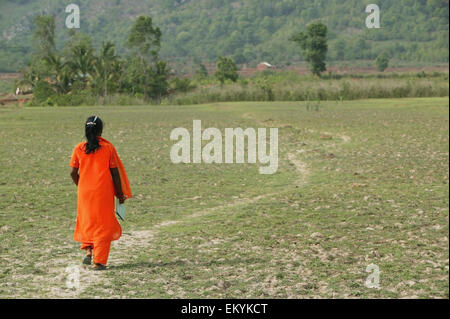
x=99, y=174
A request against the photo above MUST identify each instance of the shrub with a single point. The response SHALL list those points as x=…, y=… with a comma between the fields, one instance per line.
x=182, y=85
x=42, y=92
x=382, y=62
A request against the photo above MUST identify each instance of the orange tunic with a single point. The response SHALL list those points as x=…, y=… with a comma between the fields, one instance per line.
x=96, y=220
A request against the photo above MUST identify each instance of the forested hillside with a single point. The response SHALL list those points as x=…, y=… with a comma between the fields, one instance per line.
x=248, y=30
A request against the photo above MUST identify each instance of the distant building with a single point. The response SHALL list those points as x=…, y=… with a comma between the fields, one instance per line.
x=264, y=66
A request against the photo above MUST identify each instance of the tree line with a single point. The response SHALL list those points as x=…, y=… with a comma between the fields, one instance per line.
x=77, y=71
x=78, y=68
x=64, y=77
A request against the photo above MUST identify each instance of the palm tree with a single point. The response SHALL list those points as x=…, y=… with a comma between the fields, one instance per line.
x=106, y=67
x=61, y=73
x=30, y=76
x=81, y=63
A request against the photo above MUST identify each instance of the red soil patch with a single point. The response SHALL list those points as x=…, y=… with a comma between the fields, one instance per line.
x=6, y=76
x=13, y=99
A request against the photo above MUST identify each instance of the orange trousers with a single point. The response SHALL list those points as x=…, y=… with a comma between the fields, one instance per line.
x=100, y=251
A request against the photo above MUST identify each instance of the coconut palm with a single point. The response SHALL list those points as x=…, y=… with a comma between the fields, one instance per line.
x=61, y=74
x=30, y=76
x=81, y=63
x=107, y=68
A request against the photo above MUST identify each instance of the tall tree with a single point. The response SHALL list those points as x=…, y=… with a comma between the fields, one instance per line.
x=159, y=80
x=314, y=46
x=146, y=40
x=81, y=59
x=201, y=72
x=44, y=35
x=44, y=48
x=107, y=68
x=226, y=70
x=60, y=72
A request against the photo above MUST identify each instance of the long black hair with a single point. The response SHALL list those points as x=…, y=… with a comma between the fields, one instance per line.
x=93, y=129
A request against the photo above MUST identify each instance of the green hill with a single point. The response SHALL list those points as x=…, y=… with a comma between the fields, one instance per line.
x=247, y=30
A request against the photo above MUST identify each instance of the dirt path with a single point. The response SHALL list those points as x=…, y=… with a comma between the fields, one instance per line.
x=143, y=237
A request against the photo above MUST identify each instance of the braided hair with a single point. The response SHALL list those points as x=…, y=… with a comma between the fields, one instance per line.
x=93, y=129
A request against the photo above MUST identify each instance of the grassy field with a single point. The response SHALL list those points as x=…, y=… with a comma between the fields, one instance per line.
x=359, y=182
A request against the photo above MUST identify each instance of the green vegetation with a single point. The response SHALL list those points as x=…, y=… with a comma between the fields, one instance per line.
x=44, y=35
x=146, y=73
x=359, y=182
x=7, y=86
x=226, y=70
x=201, y=72
x=250, y=31
x=314, y=46
x=382, y=62
x=78, y=73
x=289, y=86
x=77, y=76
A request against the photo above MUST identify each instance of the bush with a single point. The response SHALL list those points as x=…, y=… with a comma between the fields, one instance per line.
x=382, y=62
x=267, y=90
x=182, y=85
x=72, y=99
x=43, y=91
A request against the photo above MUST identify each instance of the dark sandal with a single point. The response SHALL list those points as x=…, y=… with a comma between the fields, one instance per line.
x=99, y=267
x=87, y=260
